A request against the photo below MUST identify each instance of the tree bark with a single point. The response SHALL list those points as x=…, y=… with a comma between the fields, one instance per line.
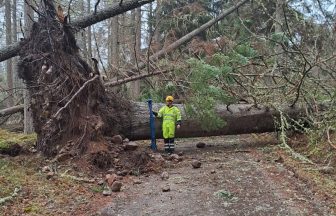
x=136, y=21
x=86, y=21
x=28, y=126
x=114, y=40
x=241, y=119
x=156, y=36
x=9, y=63
x=89, y=33
x=82, y=42
x=17, y=81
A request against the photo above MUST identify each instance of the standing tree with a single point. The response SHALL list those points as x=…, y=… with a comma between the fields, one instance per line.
x=9, y=65
x=28, y=117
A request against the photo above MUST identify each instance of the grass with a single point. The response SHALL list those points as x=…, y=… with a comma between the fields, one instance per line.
x=36, y=195
x=224, y=194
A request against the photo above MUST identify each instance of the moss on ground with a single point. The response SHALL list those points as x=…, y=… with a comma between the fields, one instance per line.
x=7, y=139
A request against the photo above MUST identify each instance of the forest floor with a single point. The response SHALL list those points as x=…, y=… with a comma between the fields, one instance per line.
x=239, y=175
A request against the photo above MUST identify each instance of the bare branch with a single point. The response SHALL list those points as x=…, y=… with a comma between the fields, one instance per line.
x=11, y=110
x=186, y=38
x=137, y=77
x=115, y=9
x=96, y=6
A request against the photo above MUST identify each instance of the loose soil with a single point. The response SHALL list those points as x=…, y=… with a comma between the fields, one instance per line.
x=239, y=175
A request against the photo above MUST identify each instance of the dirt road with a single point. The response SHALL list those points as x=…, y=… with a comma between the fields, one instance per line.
x=244, y=182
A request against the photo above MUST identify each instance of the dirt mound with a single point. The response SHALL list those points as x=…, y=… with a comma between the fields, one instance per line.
x=102, y=156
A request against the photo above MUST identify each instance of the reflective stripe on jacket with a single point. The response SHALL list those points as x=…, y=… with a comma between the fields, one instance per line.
x=170, y=114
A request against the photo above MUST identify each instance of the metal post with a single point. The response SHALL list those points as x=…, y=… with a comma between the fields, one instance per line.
x=152, y=125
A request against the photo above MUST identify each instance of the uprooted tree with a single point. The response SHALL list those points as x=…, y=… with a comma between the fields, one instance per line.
x=69, y=101
x=71, y=105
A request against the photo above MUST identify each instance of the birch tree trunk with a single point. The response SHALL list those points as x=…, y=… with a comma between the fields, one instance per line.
x=17, y=81
x=114, y=59
x=82, y=42
x=136, y=20
x=28, y=118
x=9, y=63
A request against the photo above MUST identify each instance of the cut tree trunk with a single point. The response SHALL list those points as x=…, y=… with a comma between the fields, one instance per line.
x=239, y=119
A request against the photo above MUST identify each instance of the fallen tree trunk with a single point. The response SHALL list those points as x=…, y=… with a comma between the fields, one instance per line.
x=239, y=118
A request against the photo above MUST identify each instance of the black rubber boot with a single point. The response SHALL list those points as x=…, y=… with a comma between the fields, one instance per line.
x=171, y=145
x=166, y=145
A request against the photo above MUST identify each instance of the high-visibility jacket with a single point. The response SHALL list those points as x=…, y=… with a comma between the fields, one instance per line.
x=169, y=115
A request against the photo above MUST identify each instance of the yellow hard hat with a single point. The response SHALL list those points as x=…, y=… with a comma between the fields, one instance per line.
x=169, y=98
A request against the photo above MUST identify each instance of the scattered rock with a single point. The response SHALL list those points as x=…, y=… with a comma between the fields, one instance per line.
x=291, y=173
x=111, y=171
x=137, y=181
x=107, y=191
x=213, y=171
x=164, y=176
x=175, y=157
x=166, y=188
x=110, y=178
x=131, y=146
x=279, y=160
x=100, y=182
x=158, y=158
x=46, y=169
x=123, y=173
x=126, y=140
x=50, y=175
x=33, y=150
x=181, y=153
x=200, y=145
x=196, y=164
x=117, y=139
x=116, y=186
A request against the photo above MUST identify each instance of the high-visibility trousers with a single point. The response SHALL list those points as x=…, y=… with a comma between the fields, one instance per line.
x=168, y=129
